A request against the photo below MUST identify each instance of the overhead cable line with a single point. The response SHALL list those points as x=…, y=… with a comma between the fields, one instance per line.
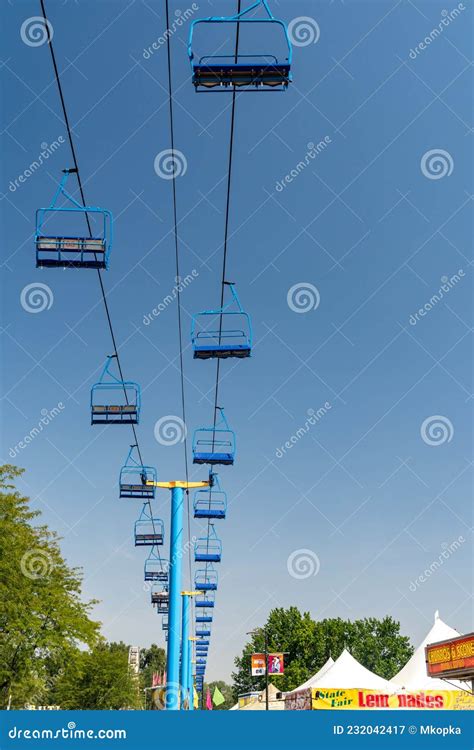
x=81, y=190
x=178, y=281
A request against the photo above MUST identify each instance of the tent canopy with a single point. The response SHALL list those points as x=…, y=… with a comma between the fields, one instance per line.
x=319, y=673
x=347, y=672
x=413, y=675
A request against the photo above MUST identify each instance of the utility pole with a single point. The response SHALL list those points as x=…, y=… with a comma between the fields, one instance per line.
x=176, y=556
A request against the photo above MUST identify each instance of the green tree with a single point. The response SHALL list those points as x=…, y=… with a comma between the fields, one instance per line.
x=152, y=660
x=42, y=616
x=99, y=679
x=377, y=644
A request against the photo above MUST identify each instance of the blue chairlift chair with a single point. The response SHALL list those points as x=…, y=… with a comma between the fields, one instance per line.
x=216, y=444
x=113, y=400
x=223, y=332
x=134, y=477
x=149, y=531
x=248, y=72
x=209, y=548
x=55, y=250
x=210, y=502
x=204, y=617
x=160, y=599
x=206, y=579
x=206, y=600
x=156, y=567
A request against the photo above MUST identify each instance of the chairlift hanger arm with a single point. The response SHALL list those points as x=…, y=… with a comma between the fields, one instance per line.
x=238, y=18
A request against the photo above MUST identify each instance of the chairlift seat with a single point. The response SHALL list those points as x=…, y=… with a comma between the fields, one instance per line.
x=126, y=409
x=207, y=585
x=221, y=351
x=140, y=491
x=156, y=575
x=252, y=74
x=134, y=478
x=232, y=337
x=149, y=532
x=114, y=414
x=70, y=252
x=227, y=459
x=207, y=557
x=203, y=618
x=210, y=502
x=204, y=603
x=160, y=599
x=148, y=540
x=241, y=71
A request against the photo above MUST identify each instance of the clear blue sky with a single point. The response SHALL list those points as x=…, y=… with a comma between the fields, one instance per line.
x=361, y=222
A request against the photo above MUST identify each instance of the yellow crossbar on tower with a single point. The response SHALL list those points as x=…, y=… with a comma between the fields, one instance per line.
x=182, y=484
x=191, y=593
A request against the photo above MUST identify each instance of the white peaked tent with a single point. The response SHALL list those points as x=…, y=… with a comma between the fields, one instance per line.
x=347, y=673
x=309, y=683
x=413, y=675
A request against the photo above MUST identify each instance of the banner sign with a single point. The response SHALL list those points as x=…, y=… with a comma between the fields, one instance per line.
x=258, y=665
x=275, y=664
x=334, y=699
x=453, y=658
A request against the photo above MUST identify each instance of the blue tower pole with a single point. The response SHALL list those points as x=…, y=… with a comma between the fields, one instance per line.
x=190, y=675
x=174, y=626
x=184, y=677
x=175, y=568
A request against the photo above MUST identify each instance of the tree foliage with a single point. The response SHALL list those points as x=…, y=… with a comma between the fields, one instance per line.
x=377, y=644
x=99, y=679
x=152, y=660
x=42, y=616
